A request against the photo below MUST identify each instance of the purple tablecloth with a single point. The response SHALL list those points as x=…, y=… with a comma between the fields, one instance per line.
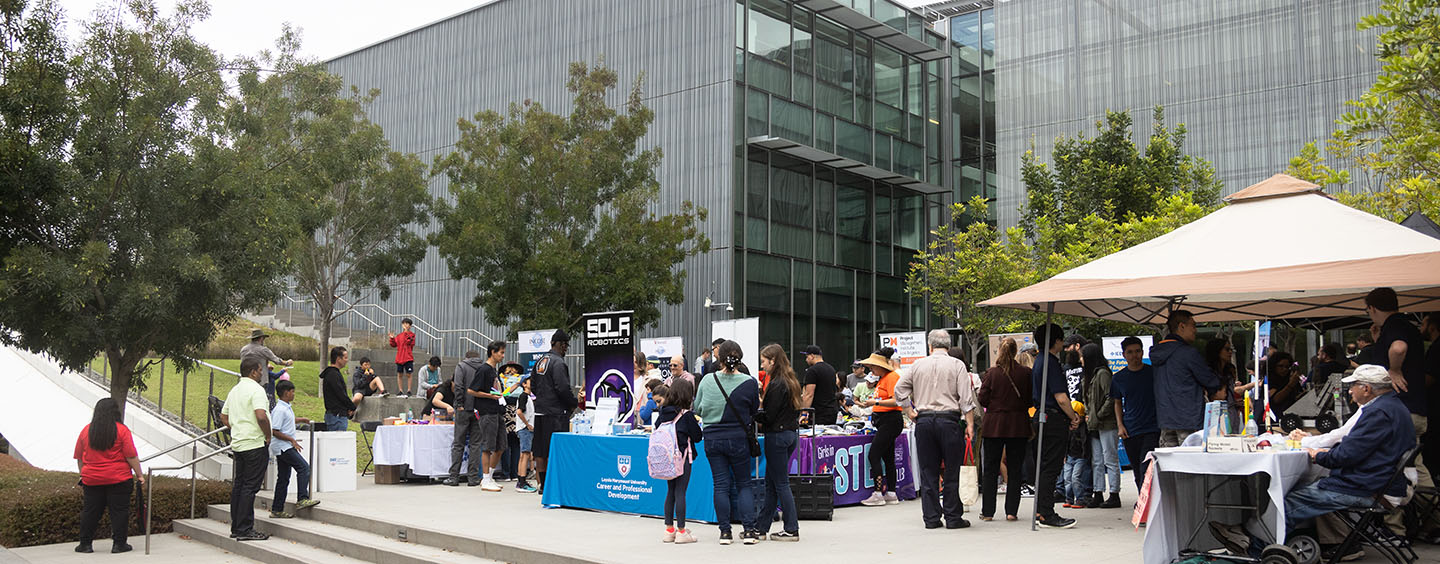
x=845, y=456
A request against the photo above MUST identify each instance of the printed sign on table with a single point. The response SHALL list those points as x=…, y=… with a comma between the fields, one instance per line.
x=610, y=359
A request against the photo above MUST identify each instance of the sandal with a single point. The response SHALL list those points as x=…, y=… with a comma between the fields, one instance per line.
x=986, y=518
x=1011, y=518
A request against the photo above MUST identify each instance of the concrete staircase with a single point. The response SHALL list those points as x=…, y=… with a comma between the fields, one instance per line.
x=321, y=534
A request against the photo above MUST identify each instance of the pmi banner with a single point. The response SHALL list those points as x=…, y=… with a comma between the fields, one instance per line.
x=610, y=360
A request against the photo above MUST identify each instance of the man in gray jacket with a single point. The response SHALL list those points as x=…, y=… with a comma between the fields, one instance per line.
x=467, y=425
x=1183, y=382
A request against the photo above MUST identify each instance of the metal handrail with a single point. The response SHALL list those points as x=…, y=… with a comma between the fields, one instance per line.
x=150, y=486
x=182, y=445
x=351, y=308
x=206, y=364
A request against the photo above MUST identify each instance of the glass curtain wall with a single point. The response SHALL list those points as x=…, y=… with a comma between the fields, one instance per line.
x=972, y=113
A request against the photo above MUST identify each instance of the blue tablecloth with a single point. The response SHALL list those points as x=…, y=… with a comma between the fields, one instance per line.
x=609, y=473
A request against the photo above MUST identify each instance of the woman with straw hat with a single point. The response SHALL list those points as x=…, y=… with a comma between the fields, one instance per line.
x=888, y=420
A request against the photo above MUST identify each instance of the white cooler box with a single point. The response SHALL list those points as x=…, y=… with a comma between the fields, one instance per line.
x=273, y=469
x=335, y=461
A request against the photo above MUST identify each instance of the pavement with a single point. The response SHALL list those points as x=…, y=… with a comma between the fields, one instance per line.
x=168, y=548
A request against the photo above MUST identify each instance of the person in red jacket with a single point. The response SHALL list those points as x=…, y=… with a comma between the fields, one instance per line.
x=404, y=345
x=106, y=458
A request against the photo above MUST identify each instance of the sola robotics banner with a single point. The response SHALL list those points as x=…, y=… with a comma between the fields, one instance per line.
x=610, y=360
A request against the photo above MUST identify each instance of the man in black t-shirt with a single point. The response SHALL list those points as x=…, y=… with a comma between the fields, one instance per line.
x=1400, y=349
x=490, y=408
x=818, y=387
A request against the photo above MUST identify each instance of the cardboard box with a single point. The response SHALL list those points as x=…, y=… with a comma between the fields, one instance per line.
x=390, y=473
x=390, y=421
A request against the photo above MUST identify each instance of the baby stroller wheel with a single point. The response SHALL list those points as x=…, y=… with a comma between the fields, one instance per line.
x=1279, y=554
x=1305, y=547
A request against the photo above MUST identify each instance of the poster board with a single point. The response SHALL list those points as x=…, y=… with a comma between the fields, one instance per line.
x=744, y=331
x=994, y=343
x=529, y=346
x=663, y=347
x=610, y=359
x=1116, y=355
x=909, y=347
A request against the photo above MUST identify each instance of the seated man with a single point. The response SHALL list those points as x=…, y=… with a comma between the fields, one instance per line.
x=1360, y=465
x=364, y=383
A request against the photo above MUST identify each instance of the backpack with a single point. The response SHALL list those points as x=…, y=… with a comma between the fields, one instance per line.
x=664, y=458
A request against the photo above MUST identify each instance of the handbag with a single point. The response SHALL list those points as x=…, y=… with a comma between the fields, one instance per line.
x=815, y=492
x=749, y=427
x=969, y=478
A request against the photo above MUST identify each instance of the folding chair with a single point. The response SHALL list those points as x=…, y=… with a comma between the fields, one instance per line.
x=1368, y=525
x=366, y=428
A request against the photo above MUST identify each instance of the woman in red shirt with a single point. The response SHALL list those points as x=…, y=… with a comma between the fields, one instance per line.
x=105, y=455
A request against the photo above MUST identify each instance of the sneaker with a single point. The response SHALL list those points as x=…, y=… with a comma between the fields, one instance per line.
x=1112, y=502
x=684, y=537
x=281, y=515
x=523, y=487
x=725, y=538
x=472, y=484
x=119, y=548
x=1001, y=489
x=1056, y=522
x=451, y=482
x=252, y=536
x=891, y=498
x=750, y=537
x=1233, y=537
x=306, y=504
x=1026, y=491
x=875, y=499
x=490, y=486
x=785, y=536
x=668, y=536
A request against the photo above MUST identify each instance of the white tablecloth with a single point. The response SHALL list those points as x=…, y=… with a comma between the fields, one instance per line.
x=426, y=448
x=1177, y=495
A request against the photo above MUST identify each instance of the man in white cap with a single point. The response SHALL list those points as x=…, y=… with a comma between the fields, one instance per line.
x=1360, y=465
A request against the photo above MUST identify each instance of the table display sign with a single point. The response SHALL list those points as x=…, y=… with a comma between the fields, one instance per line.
x=610, y=360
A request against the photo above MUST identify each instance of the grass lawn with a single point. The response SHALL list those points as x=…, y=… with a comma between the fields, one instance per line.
x=305, y=375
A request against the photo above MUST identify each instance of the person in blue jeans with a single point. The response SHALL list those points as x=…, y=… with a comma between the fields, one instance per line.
x=286, y=448
x=726, y=402
x=779, y=421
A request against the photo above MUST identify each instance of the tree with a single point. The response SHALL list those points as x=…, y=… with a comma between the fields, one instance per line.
x=1109, y=177
x=1102, y=197
x=552, y=215
x=153, y=228
x=361, y=195
x=963, y=266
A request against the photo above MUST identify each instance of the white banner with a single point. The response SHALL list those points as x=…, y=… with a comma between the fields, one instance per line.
x=744, y=331
x=663, y=347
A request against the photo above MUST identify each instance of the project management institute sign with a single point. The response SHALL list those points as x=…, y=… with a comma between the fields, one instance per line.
x=609, y=359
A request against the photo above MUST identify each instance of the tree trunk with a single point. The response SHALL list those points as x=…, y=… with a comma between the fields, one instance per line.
x=122, y=371
x=325, y=310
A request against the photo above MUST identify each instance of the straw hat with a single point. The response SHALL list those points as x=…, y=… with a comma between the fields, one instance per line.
x=877, y=361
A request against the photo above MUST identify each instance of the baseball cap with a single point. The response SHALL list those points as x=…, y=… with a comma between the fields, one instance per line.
x=560, y=336
x=812, y=349
x=1368, y=374
x=1029, y=346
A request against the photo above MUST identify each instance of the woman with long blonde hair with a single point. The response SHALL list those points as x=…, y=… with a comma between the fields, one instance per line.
x=779, y=421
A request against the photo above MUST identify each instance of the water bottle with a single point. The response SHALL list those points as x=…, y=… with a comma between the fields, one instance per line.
x=1251, y=429
x=410, y=414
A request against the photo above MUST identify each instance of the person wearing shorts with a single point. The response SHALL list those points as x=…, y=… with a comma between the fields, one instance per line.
x=554, y=399
x=490, y=408
x=404, y=345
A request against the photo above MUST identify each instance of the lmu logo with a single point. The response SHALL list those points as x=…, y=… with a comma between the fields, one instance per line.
x=600, y=328
x=622, y=463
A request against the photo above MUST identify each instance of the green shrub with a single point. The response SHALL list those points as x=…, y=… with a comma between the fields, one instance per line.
x=43, y=507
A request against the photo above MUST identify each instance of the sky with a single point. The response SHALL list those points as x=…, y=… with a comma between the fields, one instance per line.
x=328, y=27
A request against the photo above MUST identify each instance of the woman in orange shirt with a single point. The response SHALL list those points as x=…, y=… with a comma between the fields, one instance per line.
x=888, y=420
x=105, y=455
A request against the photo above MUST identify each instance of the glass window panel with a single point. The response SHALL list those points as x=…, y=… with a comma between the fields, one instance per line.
x=803, y=87
x=910, y=220
x=909, y=159
x=883, y=223
x=916, y=128
x=757, y=200
x=790, y=202
x=987, y=39
x=769, y=30
x=757, y=114
x=890, y=14
x=965, y=34
x=767, y=74
x=801, y=43
x=891, y=308
x=825, y=132
x=790, y=121
x=882, y=151
x=738, y=281
x=889, y=76
x=740, y=24
x=852, y=208
x=914, y=88
x=834, y=311
x=825, y=215
x=800, y=303
x=889, y=119
x=767, y=282
x=865, y=310
x=852, y=141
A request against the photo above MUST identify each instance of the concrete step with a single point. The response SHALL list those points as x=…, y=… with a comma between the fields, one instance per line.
x=272, y=551
x=351, y=543
x=392, y=526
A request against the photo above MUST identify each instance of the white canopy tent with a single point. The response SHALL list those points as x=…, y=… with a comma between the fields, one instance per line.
x=1280, y=249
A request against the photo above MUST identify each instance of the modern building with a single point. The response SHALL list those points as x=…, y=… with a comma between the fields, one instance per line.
x=817, y=133
x=1252, y=80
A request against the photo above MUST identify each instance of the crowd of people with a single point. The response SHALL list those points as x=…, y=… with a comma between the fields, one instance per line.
x=1050, y=407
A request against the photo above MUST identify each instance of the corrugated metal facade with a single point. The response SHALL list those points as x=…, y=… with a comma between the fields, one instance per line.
x=514, y=50
x=1252, y=80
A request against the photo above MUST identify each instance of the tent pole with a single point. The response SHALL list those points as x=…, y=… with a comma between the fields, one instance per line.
x=1040, y=411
